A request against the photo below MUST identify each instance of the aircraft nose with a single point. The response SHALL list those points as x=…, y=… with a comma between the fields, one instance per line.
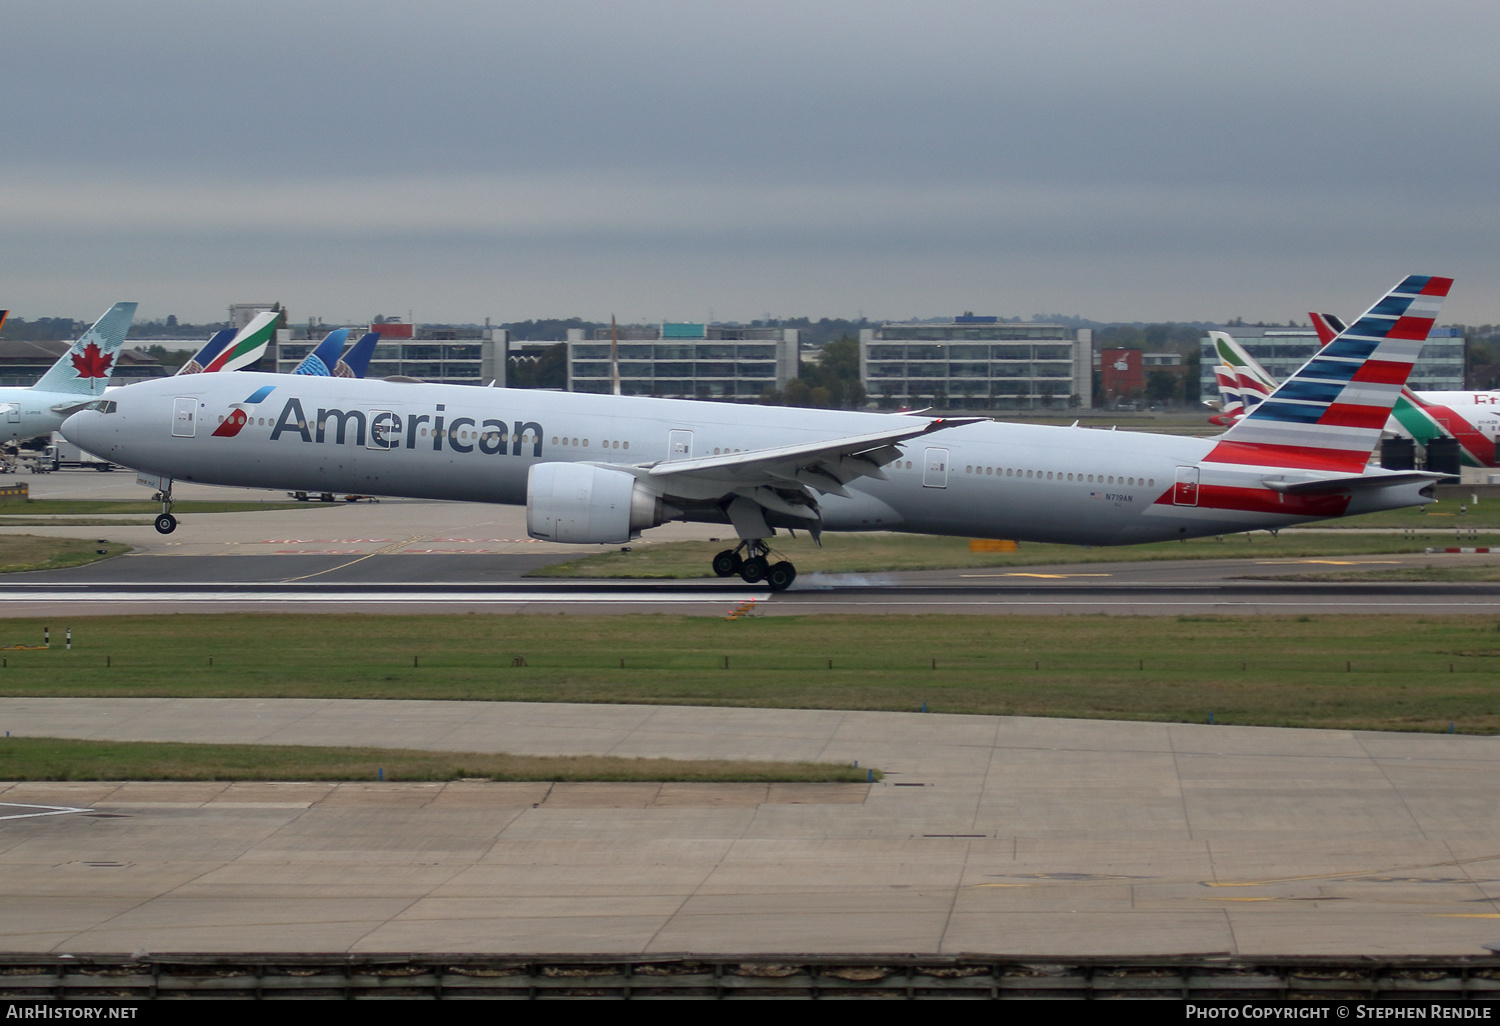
x=81, y=428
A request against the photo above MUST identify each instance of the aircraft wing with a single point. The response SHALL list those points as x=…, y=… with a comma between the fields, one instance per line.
x=825, y=465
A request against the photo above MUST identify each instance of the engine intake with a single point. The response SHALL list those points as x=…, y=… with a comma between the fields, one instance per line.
x=588, y=505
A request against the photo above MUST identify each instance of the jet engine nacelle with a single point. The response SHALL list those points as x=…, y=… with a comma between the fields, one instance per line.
x=576, y=502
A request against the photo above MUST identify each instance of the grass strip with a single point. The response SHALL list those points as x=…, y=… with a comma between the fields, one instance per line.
x=1418, y=672
x=878, y=553
x=22, y=552
x=48, y=758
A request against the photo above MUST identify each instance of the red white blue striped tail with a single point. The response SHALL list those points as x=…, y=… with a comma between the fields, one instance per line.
x=1329, y=414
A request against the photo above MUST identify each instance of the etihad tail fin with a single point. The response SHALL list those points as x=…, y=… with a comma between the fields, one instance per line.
x=320, y=362
x=1329, y=414
x=85, y=368
x=246, y=347
x=357, y=360
x=212, y=348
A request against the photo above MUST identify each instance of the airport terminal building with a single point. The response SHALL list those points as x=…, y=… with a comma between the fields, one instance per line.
x=977, y=363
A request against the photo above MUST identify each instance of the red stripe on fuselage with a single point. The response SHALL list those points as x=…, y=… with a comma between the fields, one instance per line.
x=1263, y=500
x=1269, y=454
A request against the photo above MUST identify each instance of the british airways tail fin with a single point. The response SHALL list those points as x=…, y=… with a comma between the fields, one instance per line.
x=212, y=348
x=1329, y=414
x=357, y=360
x=85, y=368
x=320, y=362
x=1328, y=326
x=246, y=347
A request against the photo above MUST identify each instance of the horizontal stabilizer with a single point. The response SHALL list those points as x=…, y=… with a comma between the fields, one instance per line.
x=1351, y=483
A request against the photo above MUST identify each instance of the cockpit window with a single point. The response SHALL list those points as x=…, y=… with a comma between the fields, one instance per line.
x=101, y=406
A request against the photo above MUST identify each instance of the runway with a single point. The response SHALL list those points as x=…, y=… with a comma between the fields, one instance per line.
x=494, y=583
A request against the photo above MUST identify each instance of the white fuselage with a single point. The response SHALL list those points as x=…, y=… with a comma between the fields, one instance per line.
x=989, y=479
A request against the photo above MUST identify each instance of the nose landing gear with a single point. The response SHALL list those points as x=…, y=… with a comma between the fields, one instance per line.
x=754, y=567
x=166, y=523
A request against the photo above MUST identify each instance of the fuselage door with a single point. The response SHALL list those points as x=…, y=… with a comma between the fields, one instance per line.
x=1185, y=491
x=184, y=416
x=14, y=416
x=680, y=445
x=935, y=469
x=385, y=430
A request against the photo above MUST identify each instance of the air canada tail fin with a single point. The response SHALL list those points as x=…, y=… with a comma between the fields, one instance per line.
x=357, y=360
x=320, y=362
x=85, y=368
x=1329, y=327
x=212, y=348
x=246, y=347
x=1329, y=414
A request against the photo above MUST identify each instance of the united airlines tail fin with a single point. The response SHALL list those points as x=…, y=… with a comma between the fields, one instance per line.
x=212, y=348
x=85, y=368
x=246, y=347
x=1329, y=414
x=320, y=362
x=357, y=360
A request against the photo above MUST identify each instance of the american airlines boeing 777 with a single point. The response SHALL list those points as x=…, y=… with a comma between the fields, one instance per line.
x=600, y=468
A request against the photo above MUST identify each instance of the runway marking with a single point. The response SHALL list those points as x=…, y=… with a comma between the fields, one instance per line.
x=1465, y=915
x=51, y=810
x=1353, y=873
x=1329, y=562
x=1020, y=573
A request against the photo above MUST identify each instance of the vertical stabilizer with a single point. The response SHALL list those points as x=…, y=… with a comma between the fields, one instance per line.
x=1329, y=414
x=85, y=368
x=247, y=346
x=357, y=360
x=320, y=362
x=212, y=348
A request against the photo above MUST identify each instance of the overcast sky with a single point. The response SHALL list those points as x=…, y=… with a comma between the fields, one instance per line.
x=686, y=160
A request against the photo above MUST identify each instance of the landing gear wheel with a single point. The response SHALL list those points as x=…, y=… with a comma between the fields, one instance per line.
x=755, y=569
x=727, y=563
x=781, y=575
x=166, y=523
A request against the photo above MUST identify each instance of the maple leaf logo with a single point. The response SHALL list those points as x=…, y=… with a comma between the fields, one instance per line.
x=91, y=363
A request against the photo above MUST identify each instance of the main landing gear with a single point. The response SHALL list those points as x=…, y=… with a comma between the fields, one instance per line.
x=166, y=523
x=753, y=567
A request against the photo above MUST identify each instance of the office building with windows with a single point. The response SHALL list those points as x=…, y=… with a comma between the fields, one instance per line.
x=686, y=361
x=977, y=363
